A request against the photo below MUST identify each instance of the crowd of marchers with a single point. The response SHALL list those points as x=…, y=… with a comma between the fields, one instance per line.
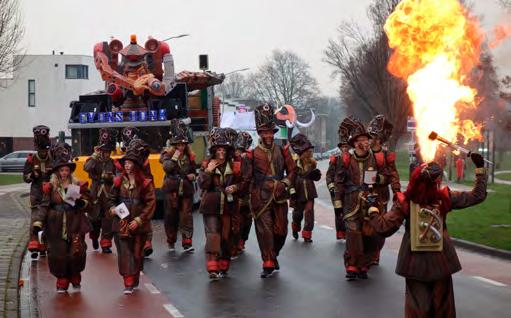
x=243, y=186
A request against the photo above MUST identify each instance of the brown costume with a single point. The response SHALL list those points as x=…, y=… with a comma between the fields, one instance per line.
x=243, y=144
x=305, y=190
x=270, y=172
x=334, y=165
x=427, y=258
x=128, y=135
x=178, y=188
x=101, y=170
x=351, y=191
x=218, y=206
x=64, y=225
x=36, y=171
x=140, y=199
x=380, y=129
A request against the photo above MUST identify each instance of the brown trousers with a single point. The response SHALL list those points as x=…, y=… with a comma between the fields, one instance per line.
x=178, y=216
x=301, y=210
x=130, y=253
x=64, y=259
x=218, y=229
x=271, y=229
x=360, y=249
x=102, y=224
x=429, y=299
x=246, y=222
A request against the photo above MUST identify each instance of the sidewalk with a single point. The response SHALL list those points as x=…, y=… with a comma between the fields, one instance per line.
x=14, y=223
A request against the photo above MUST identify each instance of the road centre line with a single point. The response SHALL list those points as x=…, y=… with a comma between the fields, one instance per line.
x=173, y=311
x=489, y=281
x=151, y=288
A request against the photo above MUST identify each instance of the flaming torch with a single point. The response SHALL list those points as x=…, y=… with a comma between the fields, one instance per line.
x=436, y=44
x=453, y=146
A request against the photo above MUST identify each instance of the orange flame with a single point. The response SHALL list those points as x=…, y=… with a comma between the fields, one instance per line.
x=500, y=33
x=436, y=44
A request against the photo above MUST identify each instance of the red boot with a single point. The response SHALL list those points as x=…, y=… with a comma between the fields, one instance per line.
x=62, y=285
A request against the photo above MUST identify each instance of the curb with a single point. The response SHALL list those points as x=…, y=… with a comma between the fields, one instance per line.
x=482, y=249
x=12, y=296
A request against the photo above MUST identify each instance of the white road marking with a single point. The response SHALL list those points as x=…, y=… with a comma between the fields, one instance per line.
x=490, y=281
x=164, y=265
x=150, y=287
x=326, y=227
x=173, y=311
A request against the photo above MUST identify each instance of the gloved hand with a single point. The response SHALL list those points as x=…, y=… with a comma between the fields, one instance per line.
x=293, y=196
x=315, y=174
x=372, y=200
x=36, y=229
x=80, y=203
x=477, y=159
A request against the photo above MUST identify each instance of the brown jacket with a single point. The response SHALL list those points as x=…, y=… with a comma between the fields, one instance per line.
x=349, y=183
x=140, y=200
x=335, y=164
x=428, y=266
x=102, y=173
x=266, y=174
x=304, y=183
x=214, y=198
x=176, y=171
x=386, y=162
x=59, y=219
x=43, y=168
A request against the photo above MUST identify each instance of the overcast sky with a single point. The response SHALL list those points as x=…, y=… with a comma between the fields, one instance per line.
x=235, y=33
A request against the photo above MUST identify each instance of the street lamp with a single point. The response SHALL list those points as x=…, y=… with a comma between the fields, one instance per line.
x=176, y=37
x=237, y=71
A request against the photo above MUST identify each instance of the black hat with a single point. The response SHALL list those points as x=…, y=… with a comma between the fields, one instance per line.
x=244, y=141
x=178, y=132
x=344, y=130
x=107, y=139
x=41, y=137
x=265, y=118
x=380, y=127
x=220, y=137
x=137, y=151
x=357, y=130
x=300, y=143
x=62, y=156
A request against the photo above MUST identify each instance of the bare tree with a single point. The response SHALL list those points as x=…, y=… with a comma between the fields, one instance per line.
x=11, y=32
x=234, y=86
x=284, y=79
x=360, y=59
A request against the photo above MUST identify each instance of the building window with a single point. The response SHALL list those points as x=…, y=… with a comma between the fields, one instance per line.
x=77, y=72
x=31, y=93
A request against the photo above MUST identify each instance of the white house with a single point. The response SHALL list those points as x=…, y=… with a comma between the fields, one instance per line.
x=39, y=92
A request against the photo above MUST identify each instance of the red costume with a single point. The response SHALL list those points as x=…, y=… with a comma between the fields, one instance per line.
x=427, y=258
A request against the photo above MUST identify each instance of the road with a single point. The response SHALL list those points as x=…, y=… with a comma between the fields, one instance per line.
x=310, y=284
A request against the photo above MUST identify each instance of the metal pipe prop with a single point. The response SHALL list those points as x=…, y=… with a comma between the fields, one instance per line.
x=434, y=136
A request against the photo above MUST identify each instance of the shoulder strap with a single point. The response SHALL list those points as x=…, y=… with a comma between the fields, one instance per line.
x=47, y=187
x=236, y=167
x=346, y=158
x=117, y=181
x=380, y=159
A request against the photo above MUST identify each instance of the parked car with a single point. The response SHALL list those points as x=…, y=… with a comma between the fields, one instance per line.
x=334, y=151
x=14, y=161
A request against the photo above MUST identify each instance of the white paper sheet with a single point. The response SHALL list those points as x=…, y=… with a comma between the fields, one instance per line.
x=370, y=176
x=122, y=211
x=72, y=193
